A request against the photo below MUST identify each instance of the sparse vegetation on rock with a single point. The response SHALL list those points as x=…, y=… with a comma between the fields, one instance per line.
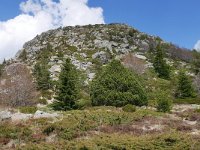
x=96, y=76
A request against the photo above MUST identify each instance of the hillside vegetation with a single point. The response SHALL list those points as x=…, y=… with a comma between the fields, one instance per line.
x=83, y=87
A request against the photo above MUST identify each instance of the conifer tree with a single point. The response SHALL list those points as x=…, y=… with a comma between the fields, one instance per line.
x=185, y=88
x=42, y=75
x=196, y=62
x=1, y=70
x=4, y=62
x=160, y=65
x=67, y=87
x=117, y=86
x=23, y=55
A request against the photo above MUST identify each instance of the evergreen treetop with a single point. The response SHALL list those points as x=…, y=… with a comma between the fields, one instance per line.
x=185, y=88
x=67, y=90
x=160, y=65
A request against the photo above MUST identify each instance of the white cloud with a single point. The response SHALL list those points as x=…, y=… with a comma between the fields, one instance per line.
x=41, y=15
x=197, y=46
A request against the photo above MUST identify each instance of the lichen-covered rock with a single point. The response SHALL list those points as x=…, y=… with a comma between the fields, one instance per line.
x=5, y=115
x=42, y=114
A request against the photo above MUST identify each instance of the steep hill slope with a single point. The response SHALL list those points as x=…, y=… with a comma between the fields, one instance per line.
x=93, y=45
x=89, y=47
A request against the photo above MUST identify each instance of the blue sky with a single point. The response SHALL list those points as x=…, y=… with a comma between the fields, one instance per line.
x=176, y=21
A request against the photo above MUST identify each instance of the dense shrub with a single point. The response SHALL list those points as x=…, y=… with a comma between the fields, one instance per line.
x=129, y=108
x=117, y=86
x=49, y=129
x=83, y=103
x=185, y=88
x=28, y=109
x=164, y=103
x=42, y=101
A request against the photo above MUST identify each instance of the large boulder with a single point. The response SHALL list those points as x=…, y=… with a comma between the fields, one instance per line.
x=5, y=115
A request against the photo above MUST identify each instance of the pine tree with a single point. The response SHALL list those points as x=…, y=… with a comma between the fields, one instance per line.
x=42, y=75
x=1, y=69
x=4, y=62
x=23, y=55
x=160, y=65
x=196, y=62
x=2, y=66
x=67, y=87
x=117, y=86
x=185, y=88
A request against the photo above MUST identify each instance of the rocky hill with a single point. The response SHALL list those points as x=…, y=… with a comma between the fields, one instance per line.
x=89, y=47
x=29, y=84
x=92, y=45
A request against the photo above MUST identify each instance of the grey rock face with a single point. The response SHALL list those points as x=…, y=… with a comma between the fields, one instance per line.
x=5, y=115
x=41, y=114
x=112, y=37
x=102, y=56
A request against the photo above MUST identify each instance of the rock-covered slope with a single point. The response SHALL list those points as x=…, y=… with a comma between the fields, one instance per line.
x=93, y=45
x=89, y=47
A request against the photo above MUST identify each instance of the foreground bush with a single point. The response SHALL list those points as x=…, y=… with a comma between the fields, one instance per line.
x=28, y=109
x=83, y=103
x=117, y=86
x=129, y=108
x=164, y=104
x=185, y=88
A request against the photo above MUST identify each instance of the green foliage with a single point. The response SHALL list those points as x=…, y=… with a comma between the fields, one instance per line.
x=60, y=54
x=164, y=103
x=188, y=100
x=42, y=101
x=23, y=55
x=196, y=62
x=42, y=76
x=72, y=48
x=129, y=108
x=185, y=88
x=28, y=109
x=143, y=37
x=160, y=65
x=117, y=86
x=1, y=69
x=4, y=62
x=67, y=88
x=83, y=103
x=164, y=141
x=132, y=32
x=197, y=110
x=49, y=129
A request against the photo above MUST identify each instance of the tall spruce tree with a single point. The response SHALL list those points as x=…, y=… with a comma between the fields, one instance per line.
x=42, y=75
x=67, y=87
x=185, y=88
x=160, y=65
